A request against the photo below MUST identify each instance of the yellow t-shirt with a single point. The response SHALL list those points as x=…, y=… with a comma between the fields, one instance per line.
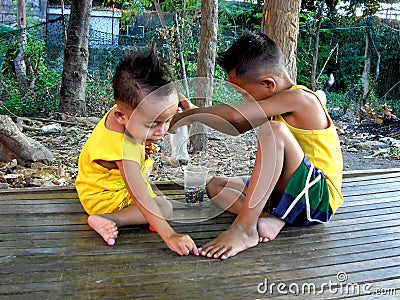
x=322, y=148
x=102, y=190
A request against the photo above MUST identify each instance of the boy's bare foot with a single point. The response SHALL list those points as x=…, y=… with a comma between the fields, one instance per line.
x=268, y=228
x=229, y=243
x=105, y=227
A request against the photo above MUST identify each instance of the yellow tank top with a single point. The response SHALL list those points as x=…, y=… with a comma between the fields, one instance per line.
x=322, y=148
x=101, y=190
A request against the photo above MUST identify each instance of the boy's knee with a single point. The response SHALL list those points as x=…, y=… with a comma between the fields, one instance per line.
x=278, y=128
x=280, y=131
x=166, y=207
x=214, y=186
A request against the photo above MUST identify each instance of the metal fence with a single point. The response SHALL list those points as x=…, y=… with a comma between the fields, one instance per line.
x=106, y=48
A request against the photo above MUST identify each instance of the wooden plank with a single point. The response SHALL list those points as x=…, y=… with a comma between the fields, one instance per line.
x=208, y=279
x=69, y=191
x=48, y=250
x=368, y=172
x=276, y=248
x=375, y=187
x=133, y=240
x=276, y=255
x=361, y=242
x=363, y=199
x=131, y=278
x=387, y=180
x=370, y=177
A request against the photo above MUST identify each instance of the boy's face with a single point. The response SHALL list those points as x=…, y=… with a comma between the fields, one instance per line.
x=150, y=120
x=250, y=90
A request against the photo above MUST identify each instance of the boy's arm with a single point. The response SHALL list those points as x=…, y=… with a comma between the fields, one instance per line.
x=224, y=118
x=236, y=119
x=180, y=243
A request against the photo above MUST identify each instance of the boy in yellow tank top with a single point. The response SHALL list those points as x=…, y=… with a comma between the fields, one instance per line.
x=297, y=174
x=112, y=183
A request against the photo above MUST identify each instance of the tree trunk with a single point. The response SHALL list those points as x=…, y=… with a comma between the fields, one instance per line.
x=14, y=144
x=315, y=37
x=181, y=58
x=367, y=87
x=19, y=62
x=366, y=71
x=76, y=59
x=203, y=88
x=281, y=24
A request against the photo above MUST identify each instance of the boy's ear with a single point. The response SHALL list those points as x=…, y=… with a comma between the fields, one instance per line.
x=120, y=116
x=269, y=83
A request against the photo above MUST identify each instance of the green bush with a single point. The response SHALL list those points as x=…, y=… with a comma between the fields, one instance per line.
x=40, y=100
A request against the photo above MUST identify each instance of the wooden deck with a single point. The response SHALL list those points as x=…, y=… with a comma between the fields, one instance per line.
x=47, y=251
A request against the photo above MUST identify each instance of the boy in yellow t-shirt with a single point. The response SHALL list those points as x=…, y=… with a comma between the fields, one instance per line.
x=297, y=174
x=112, y=174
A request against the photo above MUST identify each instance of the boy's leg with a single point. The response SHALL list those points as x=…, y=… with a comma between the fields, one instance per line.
x=278, y=157
x=227, y=193
x=107, y=224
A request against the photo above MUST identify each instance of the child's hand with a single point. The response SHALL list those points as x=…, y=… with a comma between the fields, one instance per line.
x=175, y=119
x=184, y=103
x=182, y=244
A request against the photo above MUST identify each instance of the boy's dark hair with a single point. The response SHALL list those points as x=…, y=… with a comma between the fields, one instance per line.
x=251, y=52
x=139, y=73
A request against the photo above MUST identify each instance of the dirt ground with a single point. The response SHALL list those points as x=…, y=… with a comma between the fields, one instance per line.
x=363, y=161
x=370, y=145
